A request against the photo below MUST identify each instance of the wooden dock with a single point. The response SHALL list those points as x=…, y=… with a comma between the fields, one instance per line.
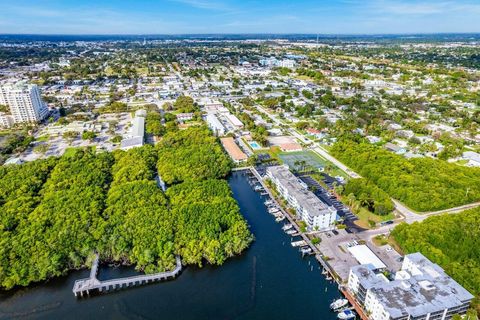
x=85, y=286
x=354, y=303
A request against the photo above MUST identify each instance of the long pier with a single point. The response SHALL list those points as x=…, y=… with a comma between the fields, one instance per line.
x=85, y=286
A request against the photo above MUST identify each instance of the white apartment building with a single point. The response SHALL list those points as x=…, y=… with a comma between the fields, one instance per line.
x=421, y=290
x=215, y=125
x=316, y=214
x=286, y=63
x=268, y=62
x=273, y=62
x=24, y=102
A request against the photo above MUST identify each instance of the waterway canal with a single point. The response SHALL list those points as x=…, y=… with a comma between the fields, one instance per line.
x=269, y=281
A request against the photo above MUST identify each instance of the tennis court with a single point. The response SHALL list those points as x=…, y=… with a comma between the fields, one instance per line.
x=303, y=160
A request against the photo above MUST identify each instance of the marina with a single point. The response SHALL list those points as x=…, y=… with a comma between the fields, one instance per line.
x=306, y=247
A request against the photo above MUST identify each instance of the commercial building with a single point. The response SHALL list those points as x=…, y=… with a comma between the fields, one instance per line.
x=233, y=150
x=365, y=256
x=24, y=102
x=420, y=290
x=136, y=136
x=316, y=214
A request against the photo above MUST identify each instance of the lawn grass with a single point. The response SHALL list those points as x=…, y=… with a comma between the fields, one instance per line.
x=382, y=240
x=364, y=216
x=273, y=152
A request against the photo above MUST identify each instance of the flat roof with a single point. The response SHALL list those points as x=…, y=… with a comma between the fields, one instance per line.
x=214, y=123
x=419, y=288
x=290, y=146
x=233, y=150
x=297, y=189
x=234, y=120
x=138, y=127
x=132, y=142
x=364, y=255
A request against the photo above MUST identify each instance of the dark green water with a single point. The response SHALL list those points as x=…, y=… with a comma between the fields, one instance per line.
x=269, y=281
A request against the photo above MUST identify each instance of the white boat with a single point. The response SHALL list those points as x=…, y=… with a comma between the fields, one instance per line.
x=287, y=227
x=279, y=219
x=339, y=303
x=268, y=202
x=290, y=232
x=307, y=250
x=273, y=210
x=298, y=243
x=346, y=314
x=258, y=188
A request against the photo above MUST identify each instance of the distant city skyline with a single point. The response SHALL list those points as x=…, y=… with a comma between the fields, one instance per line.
x=235, y=16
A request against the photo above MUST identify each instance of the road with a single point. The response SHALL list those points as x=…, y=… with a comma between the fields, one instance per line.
x=409, y=215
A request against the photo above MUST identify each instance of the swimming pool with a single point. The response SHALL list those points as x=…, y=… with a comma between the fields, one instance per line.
x=254, y=145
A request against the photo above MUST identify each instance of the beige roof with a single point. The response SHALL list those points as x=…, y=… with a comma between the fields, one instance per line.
x=290, y=147
x=233, y=150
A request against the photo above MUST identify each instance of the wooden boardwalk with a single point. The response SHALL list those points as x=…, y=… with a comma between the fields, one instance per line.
x=85, y=286
x=354, y=303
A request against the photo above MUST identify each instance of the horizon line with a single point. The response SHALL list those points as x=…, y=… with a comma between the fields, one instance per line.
x=244, y=34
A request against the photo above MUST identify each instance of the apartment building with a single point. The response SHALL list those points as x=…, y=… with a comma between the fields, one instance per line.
x=24, y=102
x=215, y=125
x=421, y=290
x=316, y=214
x=273, y=62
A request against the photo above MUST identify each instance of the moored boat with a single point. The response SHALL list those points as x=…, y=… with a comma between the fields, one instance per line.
x=338, y=304
x=346, y=314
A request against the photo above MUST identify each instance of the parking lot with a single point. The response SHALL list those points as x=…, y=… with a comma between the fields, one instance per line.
x=57, y=145
x=391, y=258
x=335, y=246
x=328, y=198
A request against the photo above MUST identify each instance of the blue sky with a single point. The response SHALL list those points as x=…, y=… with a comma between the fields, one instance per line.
x=238, y=16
